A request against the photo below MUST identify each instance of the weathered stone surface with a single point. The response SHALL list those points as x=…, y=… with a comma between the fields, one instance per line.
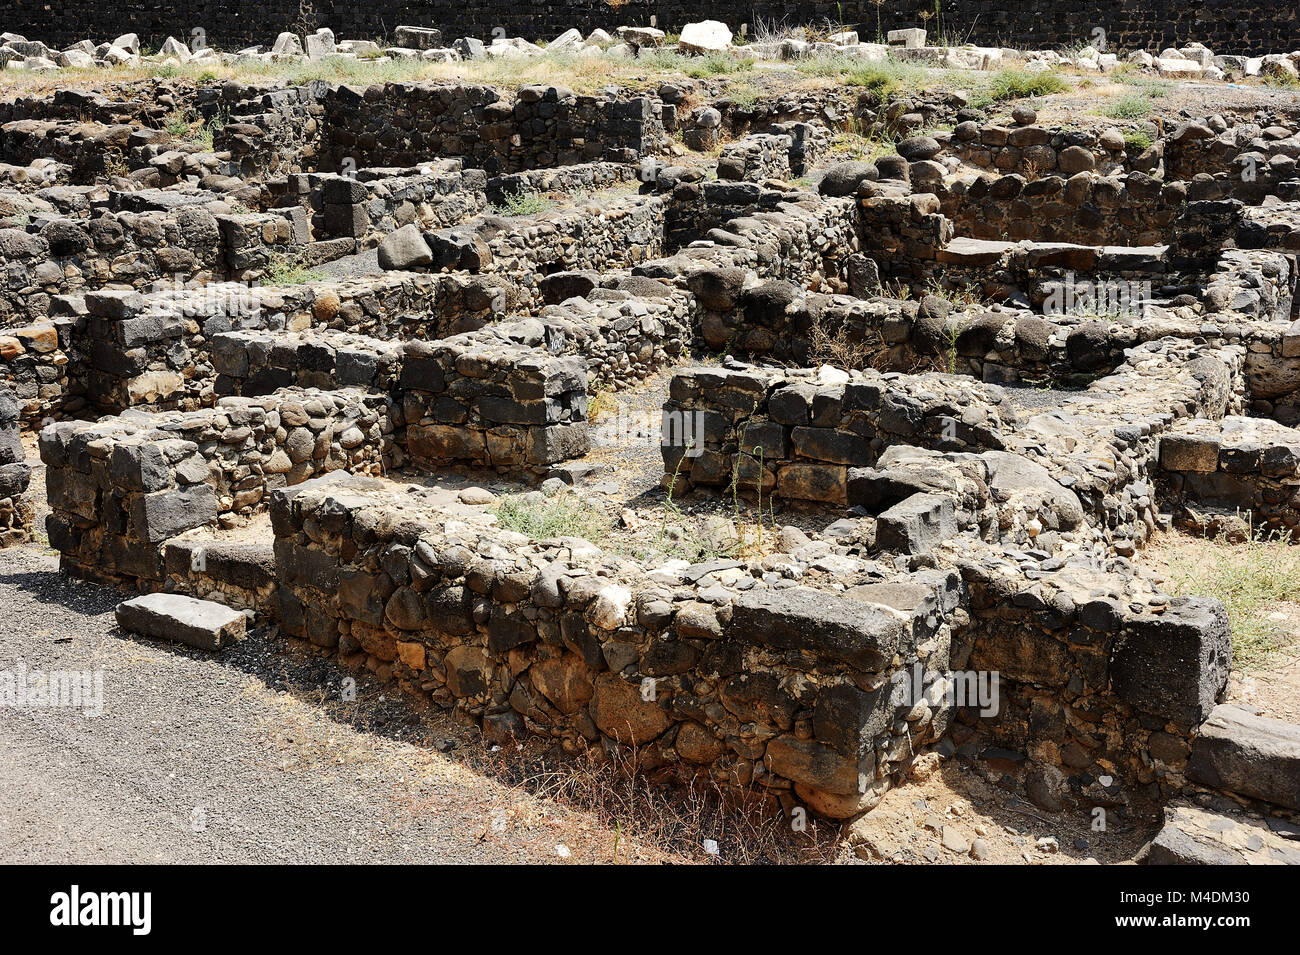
x=1195, y=836
x=802, y=619
x=1176, y=664
x=1245, y=753
x=196, y=623
x=620, y=712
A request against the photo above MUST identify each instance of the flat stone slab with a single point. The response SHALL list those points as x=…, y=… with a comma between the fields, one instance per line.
x=181, y=619
x=1252, y=755
x=1196, y=836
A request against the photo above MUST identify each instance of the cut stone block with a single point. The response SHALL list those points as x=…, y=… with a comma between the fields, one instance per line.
x=1189, y=453
x=1174, y=665
x=910, y=39
x=917, y=524
x=1195, y=836
x=417, y=38
x=195, y=623
x=1252, y=755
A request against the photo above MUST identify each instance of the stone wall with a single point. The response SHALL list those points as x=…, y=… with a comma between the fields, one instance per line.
x=120, y=488
x=403, y=124
x=250, y=363
x=1234, y=26
x=711, y=670
x=34, y=366
x=1238, y=466
x=496, y=398
x=594, y=235
x=15, y=475
x=374, y=202
x=1085, y=208
x=796, y=434
x=1102, y=681
x=578, y=178
x=67, y=255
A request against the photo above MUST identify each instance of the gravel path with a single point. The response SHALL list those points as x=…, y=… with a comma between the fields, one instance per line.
x=245, y=757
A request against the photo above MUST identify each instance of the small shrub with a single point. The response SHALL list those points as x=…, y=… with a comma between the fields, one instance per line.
x=1130, y=106
x=522, y=203
x=179, y=123
x=564, y=515
x=743, y=95
x=1283, y=81
x=887, y=78
x=283, y=270
x=1020, y=84
x=1136, y=141
x=717, y=64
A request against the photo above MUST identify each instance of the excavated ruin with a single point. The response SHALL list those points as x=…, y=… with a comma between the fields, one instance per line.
x=960, y=386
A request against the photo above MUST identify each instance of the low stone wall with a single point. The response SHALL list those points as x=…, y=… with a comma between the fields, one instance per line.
x=400, y=305
x=804, y=692
x=1270, y=227
x=120, y=488
x=1221, y=152
x=1119, y=421
x=15, y=475
x=259, y=363
x=496, y=398
x=1236, y=466
x=136, y=249
x=538, y=127
x=903, y=233
x=777, y=234
x=1102, y=682
x=271, y=131
x=1087, y=209
x=371, y=203
x=579, y=178
x=1033, y=150
x=616, y=234
x=796, y=434
x=34, y=366
x=774, y=155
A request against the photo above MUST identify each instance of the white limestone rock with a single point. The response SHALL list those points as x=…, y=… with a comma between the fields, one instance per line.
x=707, y=36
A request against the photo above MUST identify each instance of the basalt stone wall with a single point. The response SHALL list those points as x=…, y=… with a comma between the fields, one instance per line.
x=488, y=399
x=395, y=305
x=15, y=510
x=1101, y=684
x=774, y=155
x=710, y=669
x=34, y=366
x=1136, y=210
x=796, y=435
x=68, y=255
x=1235, y=465
x=402, y=124
x=269, y=131
x=374, y=202
x=251, y=363
x=120, y=488
x=131, y=351
x=741, y=315
x=580, y=178
x=596, y=236
x=1231, y=26
x=777, y=234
